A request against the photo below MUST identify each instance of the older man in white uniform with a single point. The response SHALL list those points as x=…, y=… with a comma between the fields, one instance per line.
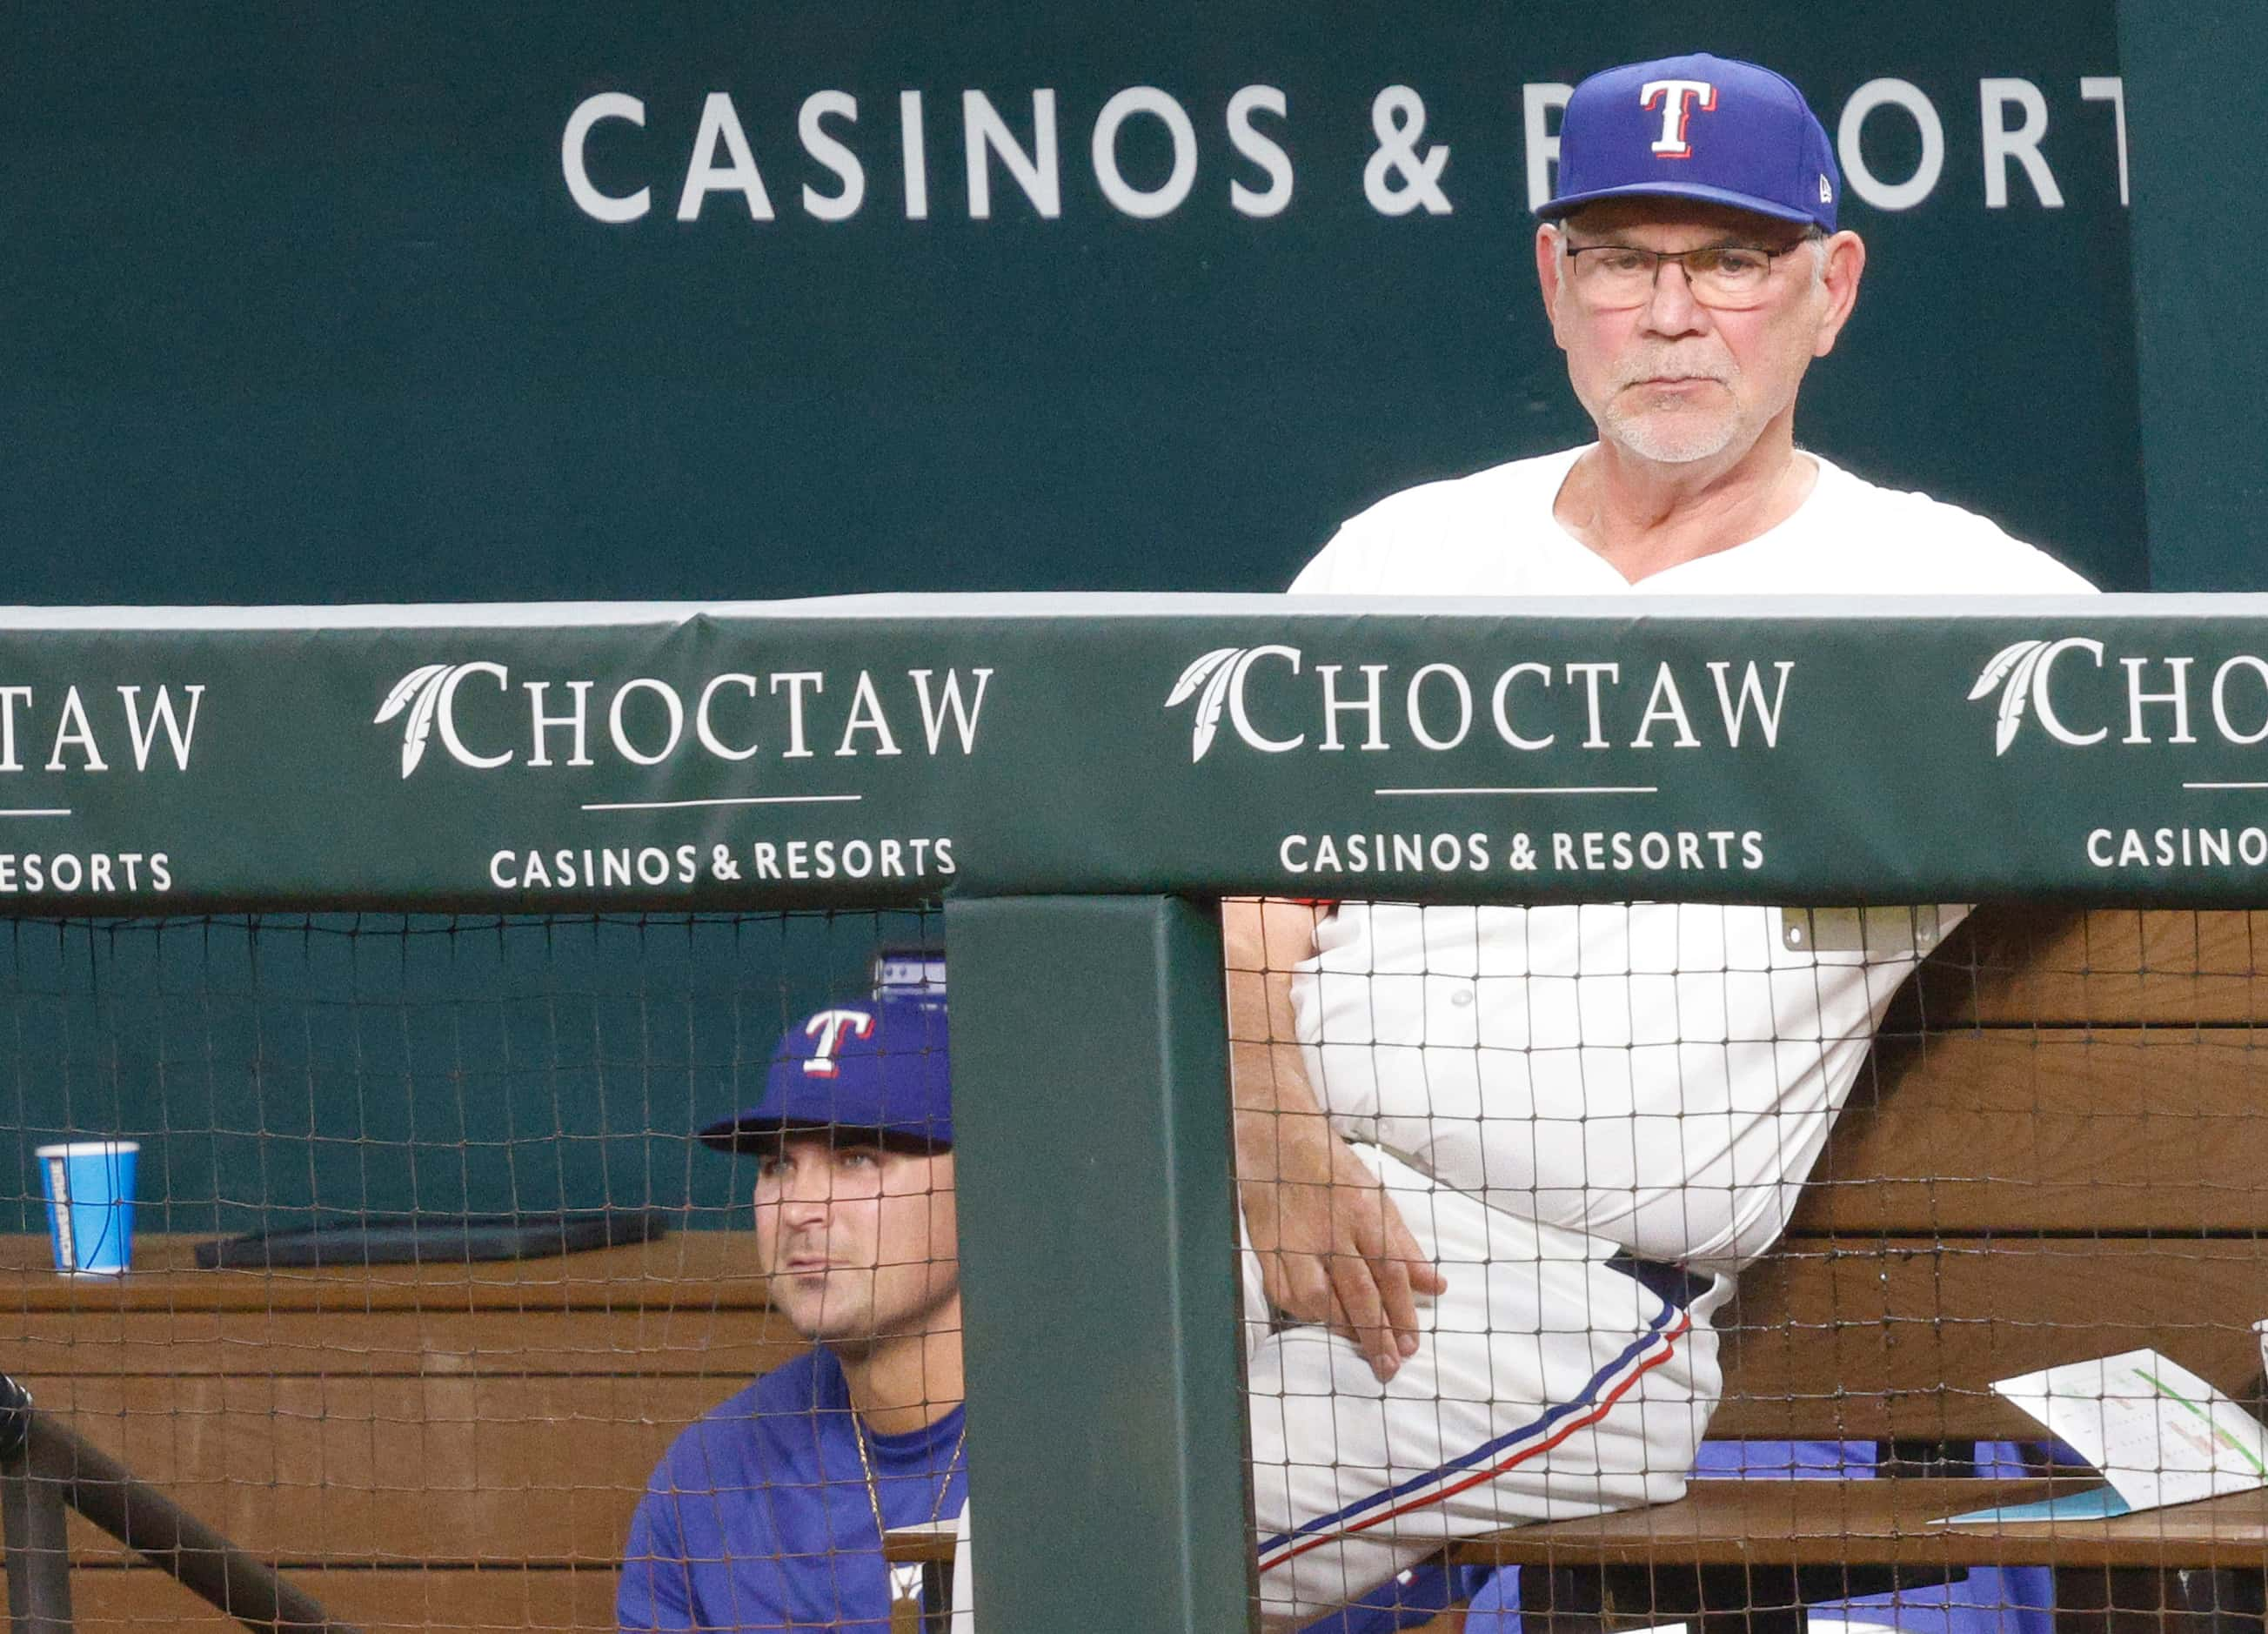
x=1499, y=1166
x=1509, y=1168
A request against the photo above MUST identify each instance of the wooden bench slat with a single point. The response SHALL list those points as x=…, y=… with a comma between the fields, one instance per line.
x=728, y=1345
x=2057, y=1130
x=1883, y=1523
x=359, y=1471
x=2010, y=965
x=684, y=1306
x=697, y=1270
x=1872, y=1339
x=136, y=1600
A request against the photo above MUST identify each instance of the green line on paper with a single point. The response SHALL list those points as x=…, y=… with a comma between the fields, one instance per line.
x=2212, y=1424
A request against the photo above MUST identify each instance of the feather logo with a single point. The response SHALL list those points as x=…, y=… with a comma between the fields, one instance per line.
x=1213, y=679
x=1214, y=672
x=2010, y=670
x=419, y=692
x=2020, y=672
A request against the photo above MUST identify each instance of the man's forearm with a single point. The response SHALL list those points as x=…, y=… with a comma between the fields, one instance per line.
x=1271, y=1090
x=1268, y=1077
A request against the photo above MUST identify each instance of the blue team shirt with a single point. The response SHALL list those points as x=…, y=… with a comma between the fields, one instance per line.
x=758, y=1517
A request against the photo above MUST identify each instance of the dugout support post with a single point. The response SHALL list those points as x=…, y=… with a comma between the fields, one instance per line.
x=1097, y=1210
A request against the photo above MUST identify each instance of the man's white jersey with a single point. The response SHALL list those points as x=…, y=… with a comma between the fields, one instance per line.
x=1661, y=1075
x=1492, y=533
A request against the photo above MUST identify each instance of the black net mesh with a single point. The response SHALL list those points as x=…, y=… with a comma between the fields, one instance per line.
x=439, y=1306
x=1672, y=1157
x=428, y=1270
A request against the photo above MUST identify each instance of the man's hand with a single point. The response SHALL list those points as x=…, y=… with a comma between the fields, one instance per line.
x=1333, y=1247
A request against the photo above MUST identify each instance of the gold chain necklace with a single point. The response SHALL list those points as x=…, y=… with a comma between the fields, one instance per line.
x=874, y=1492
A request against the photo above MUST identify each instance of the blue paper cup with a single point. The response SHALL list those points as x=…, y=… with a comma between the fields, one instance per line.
x=90, y=1189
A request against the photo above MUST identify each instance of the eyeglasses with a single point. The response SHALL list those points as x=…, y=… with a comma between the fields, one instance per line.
x=1726, y=275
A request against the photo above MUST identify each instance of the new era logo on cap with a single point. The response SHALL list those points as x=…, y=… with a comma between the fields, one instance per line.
x=1697, y=127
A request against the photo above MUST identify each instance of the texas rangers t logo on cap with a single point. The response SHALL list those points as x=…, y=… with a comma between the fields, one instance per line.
x=828, y=1027
x=1677, y=98
x=1629, y=133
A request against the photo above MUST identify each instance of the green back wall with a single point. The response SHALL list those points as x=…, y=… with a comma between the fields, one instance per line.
x=298, y=307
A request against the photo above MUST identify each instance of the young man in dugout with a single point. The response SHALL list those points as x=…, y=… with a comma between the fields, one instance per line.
x=770, y=1513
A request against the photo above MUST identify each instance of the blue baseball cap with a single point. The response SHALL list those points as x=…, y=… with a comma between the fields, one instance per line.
x=1698, y=127
x=876, y=1064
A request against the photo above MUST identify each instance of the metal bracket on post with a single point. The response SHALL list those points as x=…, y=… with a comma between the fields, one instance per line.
x=1885, y=932
x=32, y=1526
x=1098, y=1246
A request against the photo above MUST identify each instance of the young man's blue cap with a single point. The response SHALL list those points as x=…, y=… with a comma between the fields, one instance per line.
x=1698, y=127
x=872, y=1065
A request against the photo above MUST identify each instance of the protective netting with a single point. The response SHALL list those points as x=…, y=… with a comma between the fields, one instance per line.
x=1663, y=1154
x=1659, y=1154
x=341, y=1122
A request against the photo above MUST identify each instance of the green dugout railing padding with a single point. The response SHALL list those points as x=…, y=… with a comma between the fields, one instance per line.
x=881, y=752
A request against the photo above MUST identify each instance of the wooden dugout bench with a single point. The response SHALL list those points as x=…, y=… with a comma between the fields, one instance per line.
x=426, y=1447
x=2059, y=1151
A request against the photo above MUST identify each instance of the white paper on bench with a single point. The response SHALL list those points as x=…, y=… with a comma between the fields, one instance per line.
x=2157, y=1431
